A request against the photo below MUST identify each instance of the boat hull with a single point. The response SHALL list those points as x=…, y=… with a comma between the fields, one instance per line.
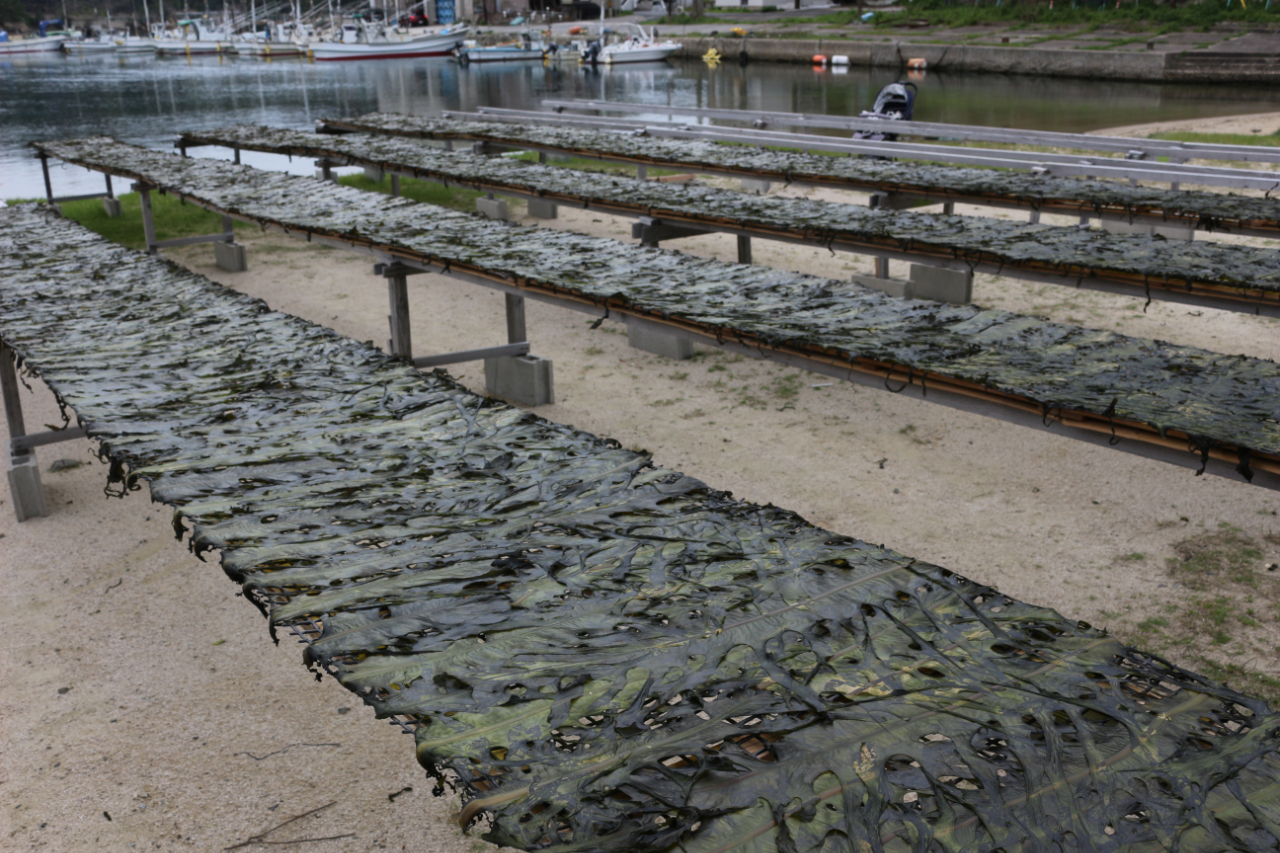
x=44, y=45
x=657, y=53
x=338, y=52
x=269, y=49
x=499, y=54
x=191, y=47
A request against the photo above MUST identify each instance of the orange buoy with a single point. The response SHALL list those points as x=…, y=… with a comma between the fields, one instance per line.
x=819, y=59
x=575, y=31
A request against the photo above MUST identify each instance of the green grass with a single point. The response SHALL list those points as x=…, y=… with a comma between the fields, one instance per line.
x=684, y=20
x=1270, y=139
x=1143, y=15
x=426, y=192
x=173, y=219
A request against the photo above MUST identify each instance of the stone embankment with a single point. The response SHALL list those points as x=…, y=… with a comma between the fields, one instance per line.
x=1149, y=66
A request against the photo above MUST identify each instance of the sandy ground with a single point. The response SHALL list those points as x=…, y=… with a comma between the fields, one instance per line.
x=145, y=708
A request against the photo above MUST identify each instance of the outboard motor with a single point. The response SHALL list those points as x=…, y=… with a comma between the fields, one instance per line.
x=592, y=56
x=896, y=102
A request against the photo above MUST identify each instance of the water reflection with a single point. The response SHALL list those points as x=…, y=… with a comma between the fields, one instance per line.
x=148, y=100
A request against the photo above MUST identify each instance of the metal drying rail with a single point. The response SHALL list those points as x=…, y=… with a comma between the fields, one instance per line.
x=625, y=142
x=1133, y=148
x=1183, y=405
x=596, y=650
x=1040, y=163
x=1210, y=274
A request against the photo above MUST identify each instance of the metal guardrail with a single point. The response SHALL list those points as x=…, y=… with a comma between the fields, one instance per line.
x=1177, y=152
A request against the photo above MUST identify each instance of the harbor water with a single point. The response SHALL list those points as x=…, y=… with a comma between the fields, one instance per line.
x=149, y=101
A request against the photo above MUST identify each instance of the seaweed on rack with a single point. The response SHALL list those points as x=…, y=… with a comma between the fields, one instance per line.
x=1208, y=399
x=1209, y=210
x=1014, y=246
x=601, y=653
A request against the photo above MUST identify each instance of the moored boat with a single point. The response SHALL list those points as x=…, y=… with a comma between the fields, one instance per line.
x=377, y=42
x=197, y=37
x=525, y=48
x=42, y=44
x=640, y=45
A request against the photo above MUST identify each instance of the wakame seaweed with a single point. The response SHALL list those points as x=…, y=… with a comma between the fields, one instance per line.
x=1207, y=399
x=1208, y=210
x=603, y=654
x=1013, y=246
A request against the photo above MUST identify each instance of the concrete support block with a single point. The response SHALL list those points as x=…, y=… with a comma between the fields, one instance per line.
x=333, y=176
x=526, y=379
x=373, y=173
x=898, y=287
x=666, y=344
x=542, y=209
x=494, y=208
x=942, y=285
x=230, y=257
x=25, y=487
x=1172, y=231
x=112, y=207
x=751, y=185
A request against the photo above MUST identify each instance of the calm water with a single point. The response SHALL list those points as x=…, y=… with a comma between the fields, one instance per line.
x=148, y=101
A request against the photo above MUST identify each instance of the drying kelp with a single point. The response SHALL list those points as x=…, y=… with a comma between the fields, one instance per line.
x=1252, y=275
x=604, y=654
x=1145, y=389
x=1213, y=211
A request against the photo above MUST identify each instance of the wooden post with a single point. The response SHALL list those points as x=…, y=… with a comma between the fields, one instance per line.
x=744, y=249
x=398, y=291
x=516, y=332
x=228, y=229
x=882, y=267
x=395, y=185
x=148, y=224
x=110, y=192
x=237, y=160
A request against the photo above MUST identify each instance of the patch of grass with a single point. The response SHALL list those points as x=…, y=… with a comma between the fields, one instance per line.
x=594, y=351
x=427, y=192
x=172, y=218
x=1134, y=557
x=688, y=20
x=1228, y=553
x=1268, y=139
x=1241, y=679
x=1142, y=15
x=787, y=385
x=679, y=377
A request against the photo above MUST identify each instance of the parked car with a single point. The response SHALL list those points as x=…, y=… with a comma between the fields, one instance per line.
x=415, y=19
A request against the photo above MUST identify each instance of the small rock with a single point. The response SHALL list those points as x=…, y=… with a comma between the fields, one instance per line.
x=64, y=465
x=62, y=691
x=343, y=710
x=1271, y=567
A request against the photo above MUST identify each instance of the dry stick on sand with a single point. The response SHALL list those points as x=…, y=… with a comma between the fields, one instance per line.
x=261, y=838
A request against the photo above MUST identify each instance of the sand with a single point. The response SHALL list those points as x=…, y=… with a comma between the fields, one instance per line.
x=144, y=706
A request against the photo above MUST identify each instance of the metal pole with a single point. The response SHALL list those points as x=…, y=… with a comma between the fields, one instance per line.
x=744, y=249
x=148, y=224
x=12, y=402
x=48, y=185
x=237, y=160
x=882, y=267
x=398, y=291
x=110, y=192
x=516, y=332
x=395, y=185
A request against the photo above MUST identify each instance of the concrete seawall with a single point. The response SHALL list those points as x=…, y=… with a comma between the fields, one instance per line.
x=1148, y=66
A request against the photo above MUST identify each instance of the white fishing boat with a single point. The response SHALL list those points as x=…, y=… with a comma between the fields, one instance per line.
x=195, y=37
x=637, y=45
x=525, y=48
x=100, y=44
x=368, y=41
x=271, y=41
x=135, y=46
x=17, y=47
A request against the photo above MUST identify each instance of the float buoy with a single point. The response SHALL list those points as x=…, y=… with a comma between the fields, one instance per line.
x=819, y=59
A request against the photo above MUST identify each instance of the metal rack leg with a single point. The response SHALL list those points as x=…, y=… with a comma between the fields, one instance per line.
x=25, y=488
x=401, y=342
x=744, y=249
x=148, y=223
